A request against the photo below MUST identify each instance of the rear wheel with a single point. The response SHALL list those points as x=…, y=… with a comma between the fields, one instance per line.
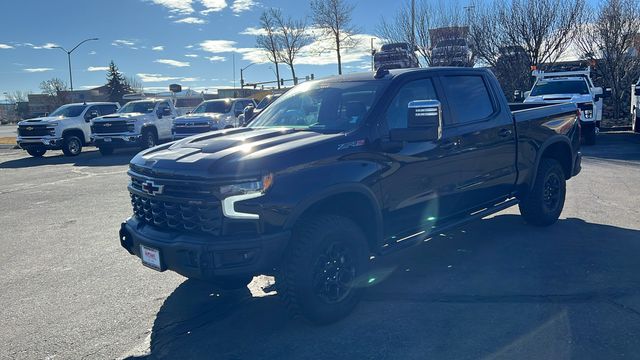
x=322, y=275
x=105, y=150
x=36, y=152
x=71, y=145
x=149, y=139
x=543, y=205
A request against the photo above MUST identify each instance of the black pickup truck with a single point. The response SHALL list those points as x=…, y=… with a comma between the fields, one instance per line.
x=342, y=168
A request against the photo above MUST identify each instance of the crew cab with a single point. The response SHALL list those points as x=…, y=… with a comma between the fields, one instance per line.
x=67, y=128
x=574, y=87
x=142, y=123
x=635, y=106
x=344, y=168
x=210, y=115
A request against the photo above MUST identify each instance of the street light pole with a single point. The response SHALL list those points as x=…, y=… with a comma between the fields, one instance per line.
x=242, y=74
x=69, y=58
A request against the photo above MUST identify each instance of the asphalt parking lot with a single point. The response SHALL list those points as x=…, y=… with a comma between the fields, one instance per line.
x=496, y=289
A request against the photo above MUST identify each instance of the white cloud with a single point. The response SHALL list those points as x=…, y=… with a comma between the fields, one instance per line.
x=189, y=47
x=45, y=46
x=242, y=5
x=189, y=79
x=158, y=78
x=216, y=58
x=97, y=68
x=218, y=46
x=125, y=43
x=191, y=55
x=37, y=70
x=253, y=31
x=191, y=20
x=89, y=87
x=213, y=6
x=5, y=46
x=158, y=48
x=92, y=52
x=177, y=6
x=175, y=63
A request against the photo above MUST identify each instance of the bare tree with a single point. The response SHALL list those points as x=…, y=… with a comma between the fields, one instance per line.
x=269, y=41
x=611, y=37
x=543, y=29
x=293, y=36
x=20, y=98
x=434, y=23
x=57, y=91
x=134, y=84
x=334, y=19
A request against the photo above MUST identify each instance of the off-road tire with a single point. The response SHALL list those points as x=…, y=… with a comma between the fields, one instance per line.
x=543, y=204
x=327, y=245
x=71, y=145
x=148, y=139
x=36, y=152
x=105, y=150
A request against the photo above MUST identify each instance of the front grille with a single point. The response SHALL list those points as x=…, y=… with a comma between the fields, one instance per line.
x=109, y=127
x=203, y=218
x=33, y=130
x=191, y=129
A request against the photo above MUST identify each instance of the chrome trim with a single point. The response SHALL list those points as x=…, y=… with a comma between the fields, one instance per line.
x=228, y=206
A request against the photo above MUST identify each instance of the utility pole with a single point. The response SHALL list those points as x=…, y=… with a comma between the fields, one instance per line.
x=373, y=53
x=413, y=24
x=69, y=59
x=242, y=76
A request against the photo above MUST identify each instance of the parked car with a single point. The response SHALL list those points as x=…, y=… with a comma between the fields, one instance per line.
x=141, y=123
x=395, y=56
x=342, y=168
x=574, y=87
x=67, y=128
x=210, y=115
x=635, y=107
x=251, y=111
x=452, y=52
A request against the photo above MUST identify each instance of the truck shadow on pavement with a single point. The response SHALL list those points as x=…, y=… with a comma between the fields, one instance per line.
x=497, y=288
x=615, y=146
x=89, y=157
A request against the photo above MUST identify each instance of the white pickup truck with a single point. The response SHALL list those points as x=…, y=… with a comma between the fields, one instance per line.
x=210, y=115
x=142, y=123
x=571, y=87
x=635, y=106
x=67, y=128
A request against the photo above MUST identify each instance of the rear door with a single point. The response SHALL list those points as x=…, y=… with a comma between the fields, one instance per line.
x=481, y=131
x=164, y=124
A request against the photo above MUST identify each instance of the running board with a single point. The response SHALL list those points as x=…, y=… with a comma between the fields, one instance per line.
x=421, y=236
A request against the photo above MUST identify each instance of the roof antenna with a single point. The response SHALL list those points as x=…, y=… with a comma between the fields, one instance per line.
x=381, y=72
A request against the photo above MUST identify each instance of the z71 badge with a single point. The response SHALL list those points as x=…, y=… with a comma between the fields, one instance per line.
x=351, y=144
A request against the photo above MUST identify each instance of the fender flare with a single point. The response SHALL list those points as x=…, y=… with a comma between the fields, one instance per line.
x=77, y=131
x=325, y=193
x=551, y=141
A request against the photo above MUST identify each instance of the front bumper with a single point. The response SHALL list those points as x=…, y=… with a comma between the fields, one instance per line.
x=50, y=143
x=116, y=140
x=204, y=257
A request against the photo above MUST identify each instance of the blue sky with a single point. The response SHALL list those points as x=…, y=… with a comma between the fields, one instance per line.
x=159, y=41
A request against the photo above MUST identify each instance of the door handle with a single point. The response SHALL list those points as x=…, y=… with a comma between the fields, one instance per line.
x=505, y=133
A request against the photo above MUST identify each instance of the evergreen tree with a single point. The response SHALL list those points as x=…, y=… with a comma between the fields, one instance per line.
x=116, y=83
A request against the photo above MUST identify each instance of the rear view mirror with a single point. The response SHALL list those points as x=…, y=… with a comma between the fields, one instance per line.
x=423, y=122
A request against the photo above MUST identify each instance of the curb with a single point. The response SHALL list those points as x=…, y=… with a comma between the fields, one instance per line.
x=8, y=146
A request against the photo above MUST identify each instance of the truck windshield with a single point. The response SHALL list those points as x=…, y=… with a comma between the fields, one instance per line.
x=321, y=106
x=69, y=111
x=144, y=107
x=217, y=107
x=544, y=87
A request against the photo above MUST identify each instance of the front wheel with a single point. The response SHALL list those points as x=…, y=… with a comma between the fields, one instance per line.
x=323, y=273
x=544, y=202
x=71, y=145
x=36, y=152
x=149, y=139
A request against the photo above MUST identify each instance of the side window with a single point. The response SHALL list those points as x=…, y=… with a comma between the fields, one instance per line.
x=107, y=109
x=163, y=106
x=396, y=115
x=468, y=97
x=87, y=114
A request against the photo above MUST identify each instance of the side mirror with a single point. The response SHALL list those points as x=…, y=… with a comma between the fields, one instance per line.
x=423, y=122
x=188, y=112
x=91, y=115
x=248, y=112
x=607, y=93
x=166, y=111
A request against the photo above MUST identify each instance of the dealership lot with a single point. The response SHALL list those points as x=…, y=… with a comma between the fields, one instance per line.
x=497, y=288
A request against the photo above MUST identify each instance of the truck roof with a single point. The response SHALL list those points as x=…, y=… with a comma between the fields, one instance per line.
x=93, y=103
x=393, y=73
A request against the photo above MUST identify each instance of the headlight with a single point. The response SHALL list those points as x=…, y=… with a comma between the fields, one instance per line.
x=588, y=114
x=249, y=187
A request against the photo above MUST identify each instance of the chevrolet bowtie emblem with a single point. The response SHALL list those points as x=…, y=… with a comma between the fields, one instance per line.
x=107, y=125
x=151, y=188
x=29, y=128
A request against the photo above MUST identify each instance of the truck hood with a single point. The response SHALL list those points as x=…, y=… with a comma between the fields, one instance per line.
x=125, y=116
x=42, y=120
x=560, y=98
x=194, y=117
x=235, y=153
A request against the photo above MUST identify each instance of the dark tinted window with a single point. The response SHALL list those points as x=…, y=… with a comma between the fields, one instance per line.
x=399, y=108
x=544, y=87
x=468, y=98
x=215, y=106
x=107, y=109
